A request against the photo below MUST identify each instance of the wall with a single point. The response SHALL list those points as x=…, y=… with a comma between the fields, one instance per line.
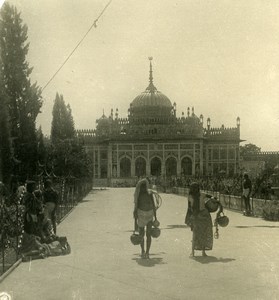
x=228, y=201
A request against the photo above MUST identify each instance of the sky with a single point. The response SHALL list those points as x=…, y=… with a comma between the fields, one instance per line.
x=220, y=57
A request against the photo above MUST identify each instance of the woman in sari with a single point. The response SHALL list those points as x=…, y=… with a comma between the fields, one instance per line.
x=201, y=222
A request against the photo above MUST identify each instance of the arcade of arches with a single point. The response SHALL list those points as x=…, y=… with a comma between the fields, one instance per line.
x=162, y=159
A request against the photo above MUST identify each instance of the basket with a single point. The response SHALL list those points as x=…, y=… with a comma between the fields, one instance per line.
x=212, y=205
x=136, y=238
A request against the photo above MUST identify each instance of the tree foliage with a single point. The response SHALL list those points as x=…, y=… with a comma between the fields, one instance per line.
x=42, y=151
x=249, y=150
x=5, y=144
x=62, y=126
x=24, y=98
x=67, y=154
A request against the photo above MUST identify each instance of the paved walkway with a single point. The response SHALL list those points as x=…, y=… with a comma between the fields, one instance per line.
x=244, y=263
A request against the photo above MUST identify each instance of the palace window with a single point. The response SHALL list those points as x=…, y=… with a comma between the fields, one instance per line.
x=104, y=155
x=215, y=153
x=125, y=167
x=155, y=166
x=186, y=166
x=104, y=171
x=223, y=153
x=171, y=167
x=231, y=153
x=140, y=167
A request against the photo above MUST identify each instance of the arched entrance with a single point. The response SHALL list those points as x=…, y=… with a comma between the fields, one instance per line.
x=155, y=166
x=186, y=166
x=140, y=167
x=171, y=167
x=125, y=167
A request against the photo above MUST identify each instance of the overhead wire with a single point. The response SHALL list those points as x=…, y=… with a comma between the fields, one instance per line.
x=94, y=24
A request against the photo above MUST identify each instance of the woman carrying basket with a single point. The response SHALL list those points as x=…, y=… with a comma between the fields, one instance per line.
x=201, y=222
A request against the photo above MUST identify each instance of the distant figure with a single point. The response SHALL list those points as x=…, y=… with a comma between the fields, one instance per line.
x=247, y=189
x=144, y=213
x=201, y=222
x=50, y=198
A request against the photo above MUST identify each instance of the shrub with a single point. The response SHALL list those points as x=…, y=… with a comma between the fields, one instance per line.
x=271, y=211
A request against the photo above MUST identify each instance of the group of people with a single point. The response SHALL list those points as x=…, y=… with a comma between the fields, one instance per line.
x=40, y=209
x=198, y=217
x=39, y=238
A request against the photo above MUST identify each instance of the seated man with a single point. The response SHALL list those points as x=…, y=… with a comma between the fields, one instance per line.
x=50, y=197
x=45, y=229
x=33, y=208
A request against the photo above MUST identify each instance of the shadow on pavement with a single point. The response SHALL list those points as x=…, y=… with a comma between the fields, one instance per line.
x=175, y=226
x=84, y=200
x=264, y=226
x=211, y=259
x=151, y=262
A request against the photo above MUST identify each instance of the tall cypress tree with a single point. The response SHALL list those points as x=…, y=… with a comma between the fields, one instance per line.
x=62, y=136
x=41, y=146
x=62, y=126
x=24, y=97
x=70, y=124
x=5, y=144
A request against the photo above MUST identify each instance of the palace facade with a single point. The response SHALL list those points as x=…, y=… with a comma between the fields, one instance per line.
x=153, y=141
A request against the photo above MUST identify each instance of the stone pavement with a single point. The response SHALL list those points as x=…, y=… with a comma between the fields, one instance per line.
x=104, y=264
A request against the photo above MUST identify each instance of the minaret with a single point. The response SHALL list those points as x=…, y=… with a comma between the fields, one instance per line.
x=151, y=86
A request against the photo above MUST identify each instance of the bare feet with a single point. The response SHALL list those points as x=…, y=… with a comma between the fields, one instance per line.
x=147, y=255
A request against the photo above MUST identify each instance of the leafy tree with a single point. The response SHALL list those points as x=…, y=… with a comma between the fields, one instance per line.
x=5, y=144
x=249, y=150
x=62, y=126
x=70, y=124
x=24, y=97
x=42, y=151
x=67, y=154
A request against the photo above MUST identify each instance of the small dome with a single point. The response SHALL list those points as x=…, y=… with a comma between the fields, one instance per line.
x=103, y=121
x=193, y=119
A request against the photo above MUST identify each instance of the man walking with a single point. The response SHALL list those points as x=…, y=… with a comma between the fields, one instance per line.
x=144, y=212
x=247, y=189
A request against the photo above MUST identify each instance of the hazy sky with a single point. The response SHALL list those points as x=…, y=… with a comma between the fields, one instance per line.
x=220, y=57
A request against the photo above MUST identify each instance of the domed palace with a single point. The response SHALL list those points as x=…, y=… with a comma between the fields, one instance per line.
x=153, y=141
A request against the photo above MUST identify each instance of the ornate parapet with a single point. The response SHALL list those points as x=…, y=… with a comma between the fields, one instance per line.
x=222, y=133
x=262, y=155
x=86, y=132
x=125, y=129
x=86, y=135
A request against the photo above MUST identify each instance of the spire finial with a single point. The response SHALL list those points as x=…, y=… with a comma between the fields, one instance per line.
x=150, y=71
x=151, y=88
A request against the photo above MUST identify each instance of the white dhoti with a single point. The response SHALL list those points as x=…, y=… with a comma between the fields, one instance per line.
x=50, y=206
x=246, y=192
x=144, y=217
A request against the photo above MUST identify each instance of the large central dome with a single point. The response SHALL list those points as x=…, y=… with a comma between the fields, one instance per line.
x=151, y=101
x=151, y=97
